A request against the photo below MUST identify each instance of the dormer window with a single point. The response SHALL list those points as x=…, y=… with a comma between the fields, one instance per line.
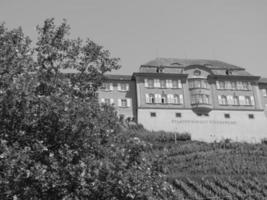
x=159, y=70
x=197, y=72
x=228, y=72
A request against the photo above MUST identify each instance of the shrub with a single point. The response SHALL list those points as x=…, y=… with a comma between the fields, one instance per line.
x=56, y=141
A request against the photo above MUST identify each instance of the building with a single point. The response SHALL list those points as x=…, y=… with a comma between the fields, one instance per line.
x=209, y=99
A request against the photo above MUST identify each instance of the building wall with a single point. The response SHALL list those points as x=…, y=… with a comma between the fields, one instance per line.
x=207, y=128
x=116, y=94
x=215, y=123
x=142, y=91
x=263, y=96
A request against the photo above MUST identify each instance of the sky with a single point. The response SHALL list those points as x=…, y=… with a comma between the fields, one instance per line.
x=137, y=31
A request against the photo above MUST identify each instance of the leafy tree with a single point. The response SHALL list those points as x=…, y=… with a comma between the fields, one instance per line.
x=56, y=141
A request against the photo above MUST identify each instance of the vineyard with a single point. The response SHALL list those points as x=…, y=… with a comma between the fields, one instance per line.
x=217, y=171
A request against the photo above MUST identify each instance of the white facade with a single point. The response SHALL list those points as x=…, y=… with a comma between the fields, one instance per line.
x=214, y=127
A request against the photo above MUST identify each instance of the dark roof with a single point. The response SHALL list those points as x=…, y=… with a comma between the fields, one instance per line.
x=177, y=62
x=263, y=80
x=233, y=73
x=118, y=77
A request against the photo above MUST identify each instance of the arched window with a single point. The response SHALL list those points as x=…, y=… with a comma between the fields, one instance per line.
x=163, y=99
x=197, y=72
x=151, y=98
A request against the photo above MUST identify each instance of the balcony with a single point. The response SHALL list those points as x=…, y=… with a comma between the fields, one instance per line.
x=201, y=108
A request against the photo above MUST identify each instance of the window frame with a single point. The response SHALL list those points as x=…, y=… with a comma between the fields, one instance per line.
x=153, y=114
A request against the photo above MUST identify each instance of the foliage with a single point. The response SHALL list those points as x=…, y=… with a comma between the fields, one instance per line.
x=158, y=136
x=56, y=142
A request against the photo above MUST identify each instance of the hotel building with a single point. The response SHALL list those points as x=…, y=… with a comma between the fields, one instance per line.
x=209, y=99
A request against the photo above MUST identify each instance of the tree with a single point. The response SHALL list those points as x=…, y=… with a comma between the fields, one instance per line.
x=57, y=142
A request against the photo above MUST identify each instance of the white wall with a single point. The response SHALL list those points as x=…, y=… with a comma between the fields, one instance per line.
x=208, y=128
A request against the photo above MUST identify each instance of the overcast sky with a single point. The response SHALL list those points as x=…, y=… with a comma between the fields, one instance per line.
x=234, y=31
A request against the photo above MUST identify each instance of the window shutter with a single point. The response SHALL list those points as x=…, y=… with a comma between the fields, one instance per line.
x=146, y=82
x=102, y=100
x=220, y=99
x=181, y=98
x=228, y=85
x=111, y=86
x=111, y=101
x=127, y=87
x=119, y=102
x=242, y=100
x=119, y=87
x=179, y=84
x=249, y=86
x=252, y=100
x=217, y=85
x=128, y=102
x=156, y=83
x=169, y=98
x=169, y=83
x=158, y=98
x=147, y=98
x=264, y=92
x=230, y=100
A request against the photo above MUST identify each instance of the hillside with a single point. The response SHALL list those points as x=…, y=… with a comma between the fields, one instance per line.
x=219, y=170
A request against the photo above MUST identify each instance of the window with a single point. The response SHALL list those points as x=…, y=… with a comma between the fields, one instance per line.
x=264, y=92
x=227, y=115
x=170, y=98
x=159, y=70
x=107, y=86
x=227, y=85
x=153, y=114
x=246, y=85
x=150, y=98
x=107, y=101
x=178, y=99
x=169, y=83
x=200, y=99
x=233, y=85
x=150, y=83
x=250, y=116
x=157, y=98
x=228, y=72
x=247, y=101
x=220, y=85
x=124, y=103
x=236, y=101
x=197, y=72
x=230, y=100
x=156, y=83
x=242, y=100
x=176, y=84
x=163, y=99
x=163, y=83
x=178, y=114
x=123, y=86
x=222, y=100
x=198, y=83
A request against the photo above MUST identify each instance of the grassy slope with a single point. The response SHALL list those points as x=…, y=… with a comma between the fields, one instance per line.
x=221, y=170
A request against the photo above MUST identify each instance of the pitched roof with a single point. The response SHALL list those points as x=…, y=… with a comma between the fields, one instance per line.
x=177, y=62
x=118, y=77
x=233, y=73
x=263, y=80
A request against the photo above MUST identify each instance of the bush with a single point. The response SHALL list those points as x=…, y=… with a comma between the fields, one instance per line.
x=264, y=141
x=56, y=141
